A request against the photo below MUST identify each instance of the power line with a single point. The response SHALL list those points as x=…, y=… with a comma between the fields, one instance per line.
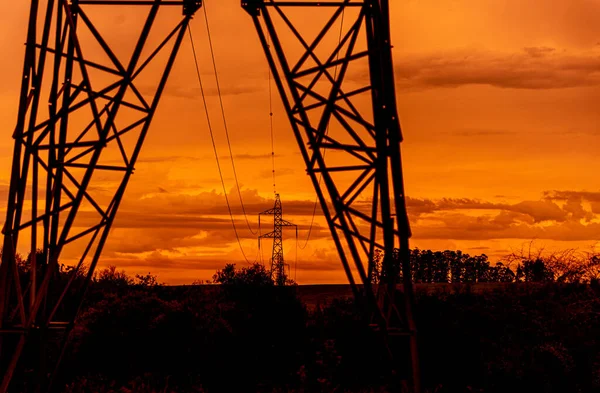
x=271, y=128
x=213, y=144
x=237, y=184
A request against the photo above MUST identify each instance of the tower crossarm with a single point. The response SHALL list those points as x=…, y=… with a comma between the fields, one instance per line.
x=285, y=223
x=269, y=235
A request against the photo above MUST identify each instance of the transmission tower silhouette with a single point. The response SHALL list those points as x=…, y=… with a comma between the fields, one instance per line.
x=277, y=263
x=96, y=122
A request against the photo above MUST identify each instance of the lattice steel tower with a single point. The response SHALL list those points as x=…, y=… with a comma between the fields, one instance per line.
x=82, y=121
x=277, y=263
x=332, y=64
x=85, y=108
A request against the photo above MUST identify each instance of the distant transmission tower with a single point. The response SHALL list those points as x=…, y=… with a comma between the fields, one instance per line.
x=277, y=264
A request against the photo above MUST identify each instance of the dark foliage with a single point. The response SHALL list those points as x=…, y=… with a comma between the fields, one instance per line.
x=521, y=339
x=243, y=336
x=540, y=338
x=538, y=333
x=457, y=267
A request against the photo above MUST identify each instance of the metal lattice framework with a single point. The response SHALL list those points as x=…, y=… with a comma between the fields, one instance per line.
x=277, y=263
x=343, y=65
x=81, y=124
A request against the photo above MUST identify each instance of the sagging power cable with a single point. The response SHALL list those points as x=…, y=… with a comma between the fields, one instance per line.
x=237, y=184
x=214, y=144
x=273, y=165
x=271, y=125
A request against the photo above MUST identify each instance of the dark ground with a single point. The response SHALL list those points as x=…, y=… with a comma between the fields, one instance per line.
x=509, y=338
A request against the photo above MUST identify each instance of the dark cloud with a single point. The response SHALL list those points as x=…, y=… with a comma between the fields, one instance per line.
x=212, y=203
x=539, y=211
x=532, y=68
x=158, y=261
x=573, y=202
x=559, y=215
x=566, y=195
x=4, y=189
x=462, y=227
x=538, y=51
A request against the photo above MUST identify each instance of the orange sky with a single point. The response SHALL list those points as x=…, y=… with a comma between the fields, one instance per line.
x=499, y=106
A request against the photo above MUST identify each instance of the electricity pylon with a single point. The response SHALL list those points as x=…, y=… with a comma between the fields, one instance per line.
x=73, y=157
x=277, y=263
x=332, y=64
x=84, y=111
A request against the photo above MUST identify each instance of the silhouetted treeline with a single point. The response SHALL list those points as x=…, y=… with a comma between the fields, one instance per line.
x=427, y=266
x=248, y=335
x=457, y=267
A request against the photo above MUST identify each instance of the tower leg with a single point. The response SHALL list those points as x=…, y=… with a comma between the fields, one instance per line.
x=58, y=160
x=355, y=120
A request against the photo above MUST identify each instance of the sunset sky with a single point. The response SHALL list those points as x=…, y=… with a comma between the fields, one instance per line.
x=499, y=105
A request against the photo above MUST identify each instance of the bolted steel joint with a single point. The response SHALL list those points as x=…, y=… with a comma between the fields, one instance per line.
x=252, y=6
x=191, y=6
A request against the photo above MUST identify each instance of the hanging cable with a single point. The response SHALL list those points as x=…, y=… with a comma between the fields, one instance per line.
x=214, y=145
x=237, y=184
x=296, y=259
x=271, y=126
x=312, y=220
x=262, y=261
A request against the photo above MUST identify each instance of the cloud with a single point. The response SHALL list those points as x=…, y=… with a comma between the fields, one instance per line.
x=462, y=227
x=171, y=221
x=573, y=202
x=4, y=189
x=538, y=51
x=532, y=68
x=169, y=232
x=566, y=195
x=539, y=211
x=160, y=261
x=559, y=215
